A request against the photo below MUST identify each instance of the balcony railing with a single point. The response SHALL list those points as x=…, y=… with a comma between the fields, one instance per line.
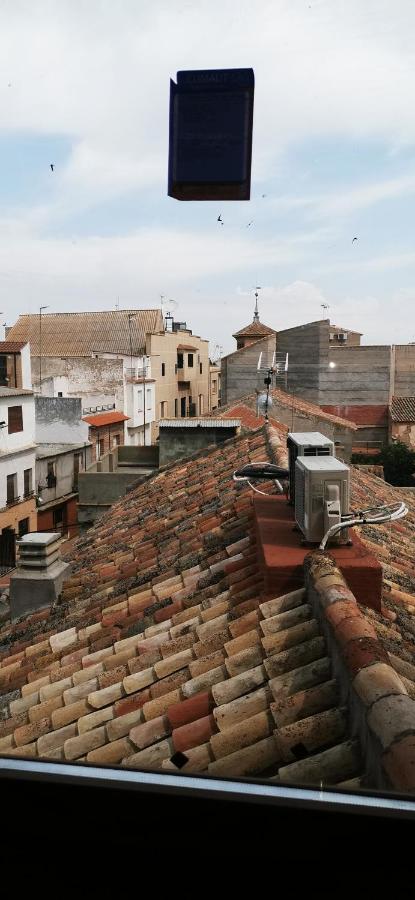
x=137, y=374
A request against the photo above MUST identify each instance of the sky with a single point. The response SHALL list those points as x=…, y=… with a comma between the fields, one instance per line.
x=84, y=85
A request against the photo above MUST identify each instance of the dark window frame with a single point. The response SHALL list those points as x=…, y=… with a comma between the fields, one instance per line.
x=190, y=360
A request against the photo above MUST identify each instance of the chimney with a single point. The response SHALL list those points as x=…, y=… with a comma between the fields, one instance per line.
x=38, y=580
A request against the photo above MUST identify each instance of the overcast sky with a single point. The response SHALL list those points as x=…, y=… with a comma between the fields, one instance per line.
x=84, y=85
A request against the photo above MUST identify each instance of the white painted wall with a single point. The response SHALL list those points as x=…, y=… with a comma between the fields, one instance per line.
x=26, y=367
x=10, y=443
x=54, y=385
x=16, y=463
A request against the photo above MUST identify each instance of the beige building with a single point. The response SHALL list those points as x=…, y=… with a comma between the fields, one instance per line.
x=124, y=360
x=344, y=337
x=180, y=369
x=214, y=386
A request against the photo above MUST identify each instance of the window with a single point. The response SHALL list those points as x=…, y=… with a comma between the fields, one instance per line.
x=139, y=401
x=51, y=477
x=214, y=386
x=176, y=404
x=12, y=488
x=101, y=447
x=163, y=369
x=200, y=368
x=60, y=394
x=59, y=518
x=4, y=381
x=163, y=409
x=148, y=401
x=200, y=404
x=23, y=527
x=116, y=440
x=15, y=419
x=77, y=464
x=190, y=360
x=27, y=480
x=180, y=360
x=183, y=406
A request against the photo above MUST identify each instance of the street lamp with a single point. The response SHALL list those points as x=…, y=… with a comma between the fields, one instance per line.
x=41, y=308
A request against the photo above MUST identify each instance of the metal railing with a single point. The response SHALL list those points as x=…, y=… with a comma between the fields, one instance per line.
x=138, y=373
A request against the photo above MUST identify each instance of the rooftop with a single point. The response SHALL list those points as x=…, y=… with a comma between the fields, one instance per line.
x=12, y=346
x=254, y=329
x=205, y=422
x=290, y=402
x=106, y=418
x=164, y=651
x=15, y=392
x=81, y=334
x=45, y=450
x=402, y=409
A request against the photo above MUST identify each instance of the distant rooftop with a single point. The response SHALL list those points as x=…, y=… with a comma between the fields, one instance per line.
x=15, y=392
x=105, y=418
x=81, y=334
x=402, y=409
x=12, y=346
x=255, y=329
x=43, y=450
x=207, y=422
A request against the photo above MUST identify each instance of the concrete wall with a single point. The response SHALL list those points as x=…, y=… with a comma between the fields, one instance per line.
x=59, y=420
x=361, y=376
x=175, y=443
x=99, y=491
x=239, y=375
x=404, y=383
x=370, y=437
x=308, y=358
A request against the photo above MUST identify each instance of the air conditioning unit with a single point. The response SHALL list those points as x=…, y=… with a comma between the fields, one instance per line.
x=306, y=443
x=322, y=487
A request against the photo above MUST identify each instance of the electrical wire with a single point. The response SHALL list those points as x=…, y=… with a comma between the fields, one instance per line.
x=253, y=487
x=373, y=515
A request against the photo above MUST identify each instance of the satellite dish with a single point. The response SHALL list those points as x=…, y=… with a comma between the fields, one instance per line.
x=264, y=403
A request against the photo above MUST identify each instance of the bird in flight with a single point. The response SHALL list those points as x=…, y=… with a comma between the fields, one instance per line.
x=263, y=195
x=354, y=239
x=249, y=224
x=52, y=166
x=219, y=219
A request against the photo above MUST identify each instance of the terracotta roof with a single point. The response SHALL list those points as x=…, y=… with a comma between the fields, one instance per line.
x=12, y=346
x=402, y=409
x=289, y=402
x=105, y=418
x=240, y=411
x=255, y=329
x=85, y=333
x=366, y=414
x=164, y=651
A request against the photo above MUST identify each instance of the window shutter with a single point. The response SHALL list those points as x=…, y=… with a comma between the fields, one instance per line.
x=15, y=419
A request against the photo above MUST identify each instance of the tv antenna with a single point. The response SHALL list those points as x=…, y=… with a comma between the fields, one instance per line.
x=274, y=368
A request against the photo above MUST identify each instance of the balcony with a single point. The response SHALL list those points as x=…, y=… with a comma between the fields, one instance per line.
x=138, y=374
